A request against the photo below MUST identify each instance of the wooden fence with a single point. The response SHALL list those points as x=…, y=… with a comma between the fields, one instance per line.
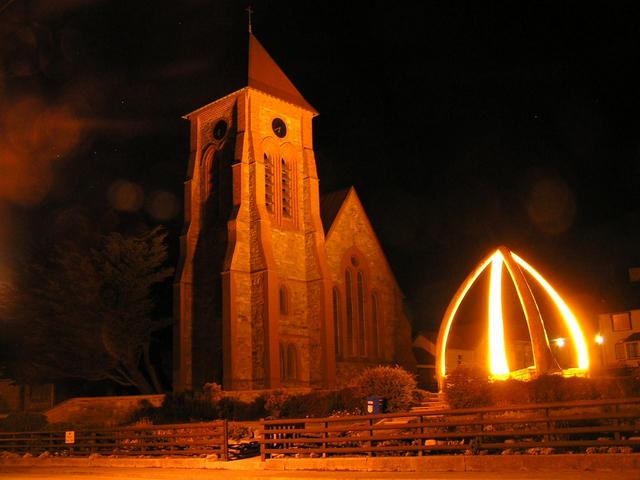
x=183, y=439
x=573, y=426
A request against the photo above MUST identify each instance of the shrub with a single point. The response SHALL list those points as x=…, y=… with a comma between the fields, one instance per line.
x=419, y=395
x=467, y=387
x=274, y=401
x=312, y=404
x=548, y=388
x=509, y=392
x=238, y=431
x=394, y=384
x=23, y=422
x=212, y=391
x=232, y=408
x=348, y=402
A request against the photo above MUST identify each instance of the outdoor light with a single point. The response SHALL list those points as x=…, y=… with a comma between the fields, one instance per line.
x=544, y=358
x=599, y=339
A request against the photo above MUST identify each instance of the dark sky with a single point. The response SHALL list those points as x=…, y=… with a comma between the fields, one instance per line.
x=461, y=125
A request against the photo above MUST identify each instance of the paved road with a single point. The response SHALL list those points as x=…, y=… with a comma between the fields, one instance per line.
x=112, y=473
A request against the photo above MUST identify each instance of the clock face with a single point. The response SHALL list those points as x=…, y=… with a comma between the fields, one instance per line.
x=220, y=130
x=279, y=127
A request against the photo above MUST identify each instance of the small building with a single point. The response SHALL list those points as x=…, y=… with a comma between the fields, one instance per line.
x=15, y=397
x=619, y=339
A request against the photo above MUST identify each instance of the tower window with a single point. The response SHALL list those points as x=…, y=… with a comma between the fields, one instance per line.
x=287, y=207
x=284, y=301
x=269, y=183
x=283, y=363
x=292, y=363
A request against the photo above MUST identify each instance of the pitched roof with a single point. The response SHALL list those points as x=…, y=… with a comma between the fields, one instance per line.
x=634, y=337
x=243, y=63
x=330, y=204
x=266, y=75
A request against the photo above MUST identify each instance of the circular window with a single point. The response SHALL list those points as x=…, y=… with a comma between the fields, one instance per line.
x=354, y=261
x=220, y=130
x=279, y=127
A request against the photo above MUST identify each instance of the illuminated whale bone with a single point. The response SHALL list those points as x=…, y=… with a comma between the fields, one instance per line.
x=544, y=362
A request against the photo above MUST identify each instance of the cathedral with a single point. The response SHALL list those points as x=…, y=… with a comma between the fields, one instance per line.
x=277, y=285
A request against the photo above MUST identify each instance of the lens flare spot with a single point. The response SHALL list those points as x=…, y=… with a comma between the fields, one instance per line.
x=125, y=196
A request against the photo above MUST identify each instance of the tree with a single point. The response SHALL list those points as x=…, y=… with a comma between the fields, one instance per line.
x=88, y=314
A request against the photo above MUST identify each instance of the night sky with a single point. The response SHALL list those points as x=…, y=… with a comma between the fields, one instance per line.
x=462, y=126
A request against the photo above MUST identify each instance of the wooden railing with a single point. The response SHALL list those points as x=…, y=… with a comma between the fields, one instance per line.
x=183, y=439
x=573, y=426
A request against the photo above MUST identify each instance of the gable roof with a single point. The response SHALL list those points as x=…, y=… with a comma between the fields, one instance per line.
x=247, y=64
x=330, y=204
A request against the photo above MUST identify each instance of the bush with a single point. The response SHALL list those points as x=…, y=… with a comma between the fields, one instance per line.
x=232, y=408
x=394, y=384
x=274, y=401
x=509, y=392
x=467, y=387
x=348, y=402
x=23, y=422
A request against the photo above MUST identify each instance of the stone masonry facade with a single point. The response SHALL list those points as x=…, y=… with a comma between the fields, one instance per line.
x=260, y=298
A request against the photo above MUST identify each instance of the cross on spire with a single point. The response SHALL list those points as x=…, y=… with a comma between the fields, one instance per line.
x=249, y=12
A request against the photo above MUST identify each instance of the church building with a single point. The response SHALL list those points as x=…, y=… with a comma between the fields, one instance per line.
x=277, y=286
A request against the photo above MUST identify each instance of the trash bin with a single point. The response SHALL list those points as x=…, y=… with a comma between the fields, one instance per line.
x=375, y=405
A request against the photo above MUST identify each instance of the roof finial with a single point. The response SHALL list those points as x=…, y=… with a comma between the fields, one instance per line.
x=249, y=11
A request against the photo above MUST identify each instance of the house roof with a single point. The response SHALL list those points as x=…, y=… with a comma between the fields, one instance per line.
x=330, y=204
x=247, y=64
x=634, y=337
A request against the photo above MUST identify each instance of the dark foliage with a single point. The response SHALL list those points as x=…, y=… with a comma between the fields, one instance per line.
x=23, y=422
x=87, y=313
x=467, y=387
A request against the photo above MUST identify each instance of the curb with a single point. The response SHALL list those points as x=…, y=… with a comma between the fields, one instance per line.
x=441, y=463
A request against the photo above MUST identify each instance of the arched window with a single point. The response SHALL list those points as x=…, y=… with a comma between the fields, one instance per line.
x=337, y=328
x=349, y=301
x=292, y=363
x=284, y=300
x=375, y=325
x=279, y=184
x=285, y=180
x=283, y=363
x=362, y=337
x=269, y=183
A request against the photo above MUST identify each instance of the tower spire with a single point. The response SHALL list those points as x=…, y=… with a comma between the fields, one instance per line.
x=249, y=12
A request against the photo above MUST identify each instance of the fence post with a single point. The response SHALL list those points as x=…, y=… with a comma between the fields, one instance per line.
x=225, y=440
x=480, y=437
x=547, y=423
x=421, y=434
x=370, y=453
x=616, y=410
x=325, y=434
x=263, y=434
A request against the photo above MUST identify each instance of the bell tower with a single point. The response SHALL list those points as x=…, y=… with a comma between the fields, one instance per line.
x=252, y=294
